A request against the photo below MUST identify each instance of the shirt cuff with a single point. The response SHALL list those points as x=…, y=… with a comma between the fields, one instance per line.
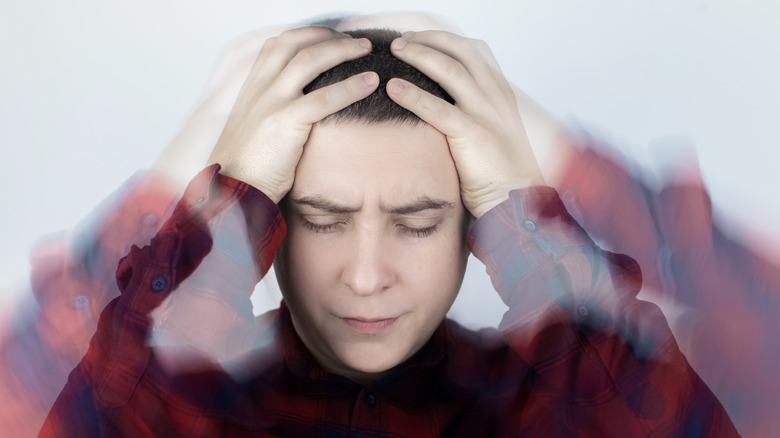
x=534, y=214
x=188, y=235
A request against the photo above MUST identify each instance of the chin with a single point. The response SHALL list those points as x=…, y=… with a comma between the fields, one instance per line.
x=374, y=360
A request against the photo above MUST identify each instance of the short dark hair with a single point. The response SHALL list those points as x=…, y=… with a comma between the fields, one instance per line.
x=377, y=107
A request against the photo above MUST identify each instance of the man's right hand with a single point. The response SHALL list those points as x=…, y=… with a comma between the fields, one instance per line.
x=264, y=135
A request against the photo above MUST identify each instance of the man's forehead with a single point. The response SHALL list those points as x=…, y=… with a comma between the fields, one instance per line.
x=392, y=144
x=349, y=166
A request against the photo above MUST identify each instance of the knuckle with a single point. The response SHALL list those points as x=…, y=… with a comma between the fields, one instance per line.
x=288, y=34
x=304, y=57
x=306, y=33
x=324, y=97
x=483, y=48
x=269, y=46
x=415, y=49
x=466, y=43
x=348, y=43
x=270, y=43
x=418, y=101
x=476, y=42
x=442, y=113
x=422, y=34
x=352, y=85
x=320, y=31
x=456, y=71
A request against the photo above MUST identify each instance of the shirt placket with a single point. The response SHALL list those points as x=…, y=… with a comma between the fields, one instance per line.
x=367, y=413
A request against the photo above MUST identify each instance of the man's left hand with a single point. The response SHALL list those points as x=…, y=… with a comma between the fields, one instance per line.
x=484, y=129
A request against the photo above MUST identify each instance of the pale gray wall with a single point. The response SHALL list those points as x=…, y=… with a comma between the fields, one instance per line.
x=91, y=91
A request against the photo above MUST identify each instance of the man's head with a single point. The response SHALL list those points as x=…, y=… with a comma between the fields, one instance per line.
x=375, y=251
x=377, y=107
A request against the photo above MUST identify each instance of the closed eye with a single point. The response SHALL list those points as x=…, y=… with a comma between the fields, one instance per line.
x=418, y=232
x=405, y=229
x=322, y=228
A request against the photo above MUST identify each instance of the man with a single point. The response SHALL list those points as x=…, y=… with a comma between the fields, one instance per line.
x=372, y=238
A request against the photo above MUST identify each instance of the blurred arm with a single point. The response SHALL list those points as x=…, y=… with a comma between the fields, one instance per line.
x=46, y=332
x=121, y=385
x=605, y=362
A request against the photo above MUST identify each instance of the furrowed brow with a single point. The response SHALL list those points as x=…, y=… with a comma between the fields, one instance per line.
x=325, y=205
x=420, y=205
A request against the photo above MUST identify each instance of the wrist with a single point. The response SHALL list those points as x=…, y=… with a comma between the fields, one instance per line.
x=500, y=195
x=268, y=188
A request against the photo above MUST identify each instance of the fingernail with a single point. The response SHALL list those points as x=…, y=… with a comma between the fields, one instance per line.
x=364, y=43
x=395, y=86
x=370, y=78
x=399, y=43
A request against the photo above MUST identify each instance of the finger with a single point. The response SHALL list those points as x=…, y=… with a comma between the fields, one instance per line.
x=307, y=64
x=474, y=55
x=277, y=52
x=466, y=50
x=318, y=104
x=437, y=112
x=446, y=71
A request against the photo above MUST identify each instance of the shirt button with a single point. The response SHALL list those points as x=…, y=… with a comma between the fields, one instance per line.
x=159, y=283
x=583, y=311
x=80, y=302
x=150, y=220
x=371, y=399
x=529, y=225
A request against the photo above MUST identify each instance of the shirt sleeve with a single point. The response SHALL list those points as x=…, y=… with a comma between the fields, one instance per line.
x=716, y=280
x=97, y=397
x=46, y=328
x=604, y=360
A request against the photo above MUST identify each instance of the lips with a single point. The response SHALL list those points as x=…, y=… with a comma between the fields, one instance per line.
x=370, y=326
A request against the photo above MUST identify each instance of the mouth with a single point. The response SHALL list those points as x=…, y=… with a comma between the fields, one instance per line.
x=369, y=326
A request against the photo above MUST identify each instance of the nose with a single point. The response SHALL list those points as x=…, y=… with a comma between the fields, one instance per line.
x=368, y=268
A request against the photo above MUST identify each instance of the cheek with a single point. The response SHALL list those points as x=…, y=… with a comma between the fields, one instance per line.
x=438, y=273
x=303, y=265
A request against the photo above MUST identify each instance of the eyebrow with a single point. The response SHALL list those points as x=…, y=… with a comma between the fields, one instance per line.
x=422, y=204
x=325, y=205
x=419, y=205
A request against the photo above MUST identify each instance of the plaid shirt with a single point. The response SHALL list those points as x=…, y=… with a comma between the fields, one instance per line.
x=575, y=354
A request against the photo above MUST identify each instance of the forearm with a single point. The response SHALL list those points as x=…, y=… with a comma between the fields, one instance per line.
x=113, y=370
x=47, y=328
x=574, y=318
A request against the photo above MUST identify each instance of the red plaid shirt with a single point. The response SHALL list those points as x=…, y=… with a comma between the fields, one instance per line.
x=576, y=353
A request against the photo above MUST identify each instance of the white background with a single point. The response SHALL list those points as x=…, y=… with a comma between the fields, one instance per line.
x=91, y=91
